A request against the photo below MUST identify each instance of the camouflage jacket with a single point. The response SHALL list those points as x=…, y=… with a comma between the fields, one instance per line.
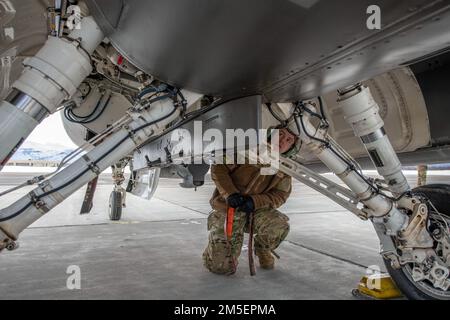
x=267, y=191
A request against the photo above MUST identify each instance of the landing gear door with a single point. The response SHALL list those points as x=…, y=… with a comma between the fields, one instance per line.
x=145, y=182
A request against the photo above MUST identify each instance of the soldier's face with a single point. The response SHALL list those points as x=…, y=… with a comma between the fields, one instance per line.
x=287, y=140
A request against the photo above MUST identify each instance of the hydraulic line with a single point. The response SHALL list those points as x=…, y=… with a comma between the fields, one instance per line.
x=102, y=104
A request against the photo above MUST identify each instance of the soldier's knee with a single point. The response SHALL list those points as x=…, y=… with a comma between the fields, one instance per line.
x=282, y=226
x=271, y=238
x=223, y=269
x=216, y=220
x=218, y=263
x=280, y=233
x=217, y=258
x=279, y=227
x=285, y=228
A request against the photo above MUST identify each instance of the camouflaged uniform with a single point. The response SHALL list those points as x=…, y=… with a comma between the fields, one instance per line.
x=270, y=226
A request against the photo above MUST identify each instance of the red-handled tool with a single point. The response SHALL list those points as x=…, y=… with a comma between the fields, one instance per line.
x=228, y=234
x=229, y=224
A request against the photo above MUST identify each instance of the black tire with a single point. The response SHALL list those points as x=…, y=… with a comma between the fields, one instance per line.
x=439, y=195
x=115, y=206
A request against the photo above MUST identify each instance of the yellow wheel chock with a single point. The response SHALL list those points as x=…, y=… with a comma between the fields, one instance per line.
x=377, y=286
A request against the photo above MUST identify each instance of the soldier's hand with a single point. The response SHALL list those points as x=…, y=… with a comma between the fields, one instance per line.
x=235, y=200
x=248, y=206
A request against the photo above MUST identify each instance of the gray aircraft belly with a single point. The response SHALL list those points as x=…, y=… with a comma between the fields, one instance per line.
x=284, y=49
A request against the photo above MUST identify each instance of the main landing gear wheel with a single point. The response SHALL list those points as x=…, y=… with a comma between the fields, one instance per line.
x=115, y=206
x=439, y=195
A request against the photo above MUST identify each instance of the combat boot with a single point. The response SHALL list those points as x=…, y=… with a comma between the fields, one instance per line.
x=266, y=260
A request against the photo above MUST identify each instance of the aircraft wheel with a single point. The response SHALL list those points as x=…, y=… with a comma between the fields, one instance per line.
x=115, y=206
x=439, y=195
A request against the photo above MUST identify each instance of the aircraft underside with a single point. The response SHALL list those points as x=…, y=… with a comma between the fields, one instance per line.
x=140, y=83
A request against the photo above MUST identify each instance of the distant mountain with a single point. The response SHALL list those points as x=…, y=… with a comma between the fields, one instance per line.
x=39, y=151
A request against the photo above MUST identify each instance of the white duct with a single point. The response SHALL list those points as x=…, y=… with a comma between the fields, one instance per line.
x=50, y=77
x=362, y=113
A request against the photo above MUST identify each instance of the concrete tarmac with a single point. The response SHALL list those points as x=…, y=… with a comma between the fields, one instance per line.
x=155, y=251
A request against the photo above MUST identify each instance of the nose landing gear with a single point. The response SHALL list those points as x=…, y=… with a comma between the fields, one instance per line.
x=118, y=195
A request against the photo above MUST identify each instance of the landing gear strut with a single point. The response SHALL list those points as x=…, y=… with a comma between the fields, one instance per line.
x=118, y=195
x=412, y=225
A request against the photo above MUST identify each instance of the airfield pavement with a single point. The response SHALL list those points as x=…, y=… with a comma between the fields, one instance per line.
x=155, y=251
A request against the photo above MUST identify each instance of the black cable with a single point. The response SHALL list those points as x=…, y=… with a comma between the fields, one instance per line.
x=183, y=101
x=320, y=116
x=303, y=128
x=304, y=108
x=72, y=117
x=269, y=106
x=160, y=98
x=102, y=111
x=82, y=118
x=153, y=122
x=98, y=115
x=159, y=89
x=322, y=112
x=146, y=91
x=284, y=122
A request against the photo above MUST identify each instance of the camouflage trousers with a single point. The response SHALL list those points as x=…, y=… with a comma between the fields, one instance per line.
x=221, y=256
